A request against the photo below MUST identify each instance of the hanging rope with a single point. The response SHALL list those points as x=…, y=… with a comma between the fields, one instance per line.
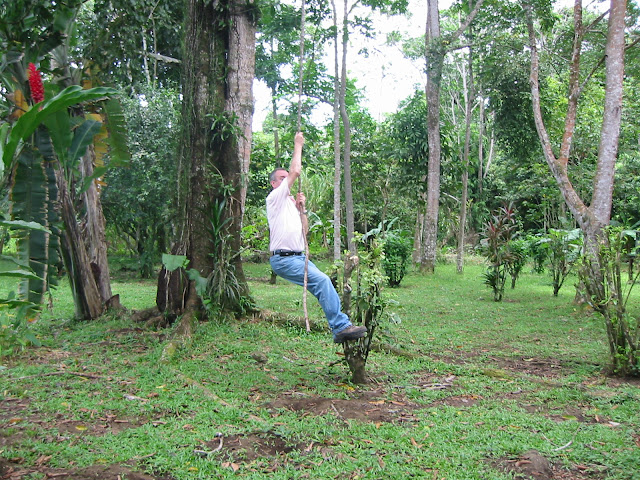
x=302, y=211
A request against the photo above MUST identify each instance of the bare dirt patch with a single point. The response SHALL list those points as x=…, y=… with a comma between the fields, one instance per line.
x=533, y=466
x=13, y=470
x=366, y=406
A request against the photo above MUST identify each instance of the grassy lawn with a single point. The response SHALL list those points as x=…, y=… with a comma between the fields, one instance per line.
x=461, y=388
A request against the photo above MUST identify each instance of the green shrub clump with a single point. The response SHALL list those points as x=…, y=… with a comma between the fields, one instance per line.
x=397, y=254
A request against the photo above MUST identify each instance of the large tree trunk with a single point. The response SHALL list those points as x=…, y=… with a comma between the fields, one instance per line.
x=234, y=165
x=218, y=70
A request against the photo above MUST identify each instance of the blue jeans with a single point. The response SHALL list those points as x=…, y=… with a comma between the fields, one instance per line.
x=318, y=283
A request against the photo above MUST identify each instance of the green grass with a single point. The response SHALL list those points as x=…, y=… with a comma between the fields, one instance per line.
x=485, y=382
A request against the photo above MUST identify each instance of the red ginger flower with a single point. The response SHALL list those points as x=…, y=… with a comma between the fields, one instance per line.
x=35, y=83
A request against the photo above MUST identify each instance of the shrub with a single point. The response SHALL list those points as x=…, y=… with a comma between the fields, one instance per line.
x=397, y=255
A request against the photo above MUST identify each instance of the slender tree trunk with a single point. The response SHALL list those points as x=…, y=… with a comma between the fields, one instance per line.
x=435, y=53
x=591, y=218
x=348, y=190
x=435, y=59
x=468, y=96
x=480, y=145
x=337, y=172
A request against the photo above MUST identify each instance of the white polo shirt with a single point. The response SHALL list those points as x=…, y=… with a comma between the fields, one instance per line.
x=283, y=216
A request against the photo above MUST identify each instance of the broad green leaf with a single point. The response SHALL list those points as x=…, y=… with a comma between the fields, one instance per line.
x=97, y=173
x=82, y=138
x=21, y=224
x=4, y=133
x=173, y=262
x=28, y=122
x=199, y=280
x=59, y=128
x=117, y=140
x=20, y=274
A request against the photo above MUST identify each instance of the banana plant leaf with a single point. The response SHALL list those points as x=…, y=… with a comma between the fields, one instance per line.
x=27, y=123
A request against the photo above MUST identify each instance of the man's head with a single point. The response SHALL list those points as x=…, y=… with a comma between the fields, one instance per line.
x=277, y=176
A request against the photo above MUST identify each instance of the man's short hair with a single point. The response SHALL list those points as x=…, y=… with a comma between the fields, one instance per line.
x=272, y=175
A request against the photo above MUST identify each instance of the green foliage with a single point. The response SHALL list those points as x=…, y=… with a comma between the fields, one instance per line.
x=608, y=294
x=562, y=248
x=496, y=246
x=368, y=307
x=224, y=292
x=137, y=198
x=111, y=30
x=15, y=332
x=397, y=247
x=518, y=248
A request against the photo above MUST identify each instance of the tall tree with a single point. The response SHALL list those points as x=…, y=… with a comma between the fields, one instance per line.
x=437, y=47
x=599, y=276
x=218, y=71
x=591, y=217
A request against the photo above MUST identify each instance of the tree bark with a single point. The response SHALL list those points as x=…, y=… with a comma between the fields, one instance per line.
x=88, y=302
x=218, y=70
x=468, y=96
x=346, y=125
x=594, y=217
x=337, y=161
x=435, y=60
x=94, y=229
x=435, y=53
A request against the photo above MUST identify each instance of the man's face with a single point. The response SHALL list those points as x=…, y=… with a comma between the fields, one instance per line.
x=280, y=176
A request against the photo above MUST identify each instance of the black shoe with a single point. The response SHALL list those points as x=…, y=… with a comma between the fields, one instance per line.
x=350, y=333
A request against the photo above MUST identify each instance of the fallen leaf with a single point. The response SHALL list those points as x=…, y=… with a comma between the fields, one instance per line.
x=377, y=402
x=81, y=428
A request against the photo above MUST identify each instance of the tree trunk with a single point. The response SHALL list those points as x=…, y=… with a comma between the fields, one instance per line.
x=435, y=53
x=88, y=302
x=435, y=59
x=337, y=172
x=94, y=229
x=234, y=166
x=346, y=124
x=592, y=218
x=480, y=144
x=218, y=70
x=468, y=96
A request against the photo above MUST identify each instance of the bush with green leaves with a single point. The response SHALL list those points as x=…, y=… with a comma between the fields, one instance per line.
x=499, y=231
x=397, y=249
x=15, y=331
x=519, y=254
x=562, y=249
x=608, y=293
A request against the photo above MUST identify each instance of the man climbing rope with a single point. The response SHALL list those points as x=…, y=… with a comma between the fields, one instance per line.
x=287, y=227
